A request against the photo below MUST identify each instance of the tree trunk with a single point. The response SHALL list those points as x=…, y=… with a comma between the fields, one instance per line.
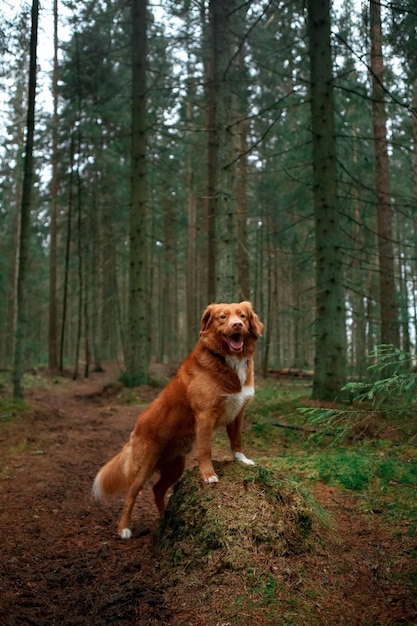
x=414, y=127
x=80, y=256
x=210, y=204
x=389, y=318
x=52, y=339
x=21, y=317
x=241, y=150
x=226, y=240
x=67, y=257
x=191, y=265
x=137, y=349
x=242, y=213
x=330, y=331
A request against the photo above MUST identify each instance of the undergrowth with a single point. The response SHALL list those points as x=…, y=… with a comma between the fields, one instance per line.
x=367, y=447
x=11, y=408
x=389, y=398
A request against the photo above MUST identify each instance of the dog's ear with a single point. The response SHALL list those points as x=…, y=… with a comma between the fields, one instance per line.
x=255, y=323
x=207, y=318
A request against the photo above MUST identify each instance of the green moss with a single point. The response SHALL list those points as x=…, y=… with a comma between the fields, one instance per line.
x=10, y=408
x=249, y=512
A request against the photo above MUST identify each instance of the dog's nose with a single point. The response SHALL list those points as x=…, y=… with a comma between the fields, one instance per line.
x=237, y=324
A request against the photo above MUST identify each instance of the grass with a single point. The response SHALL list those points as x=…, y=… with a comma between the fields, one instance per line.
x=11, y=408
x=366, y=453
x=14, y=451
x=381, y=469
x=11, y=411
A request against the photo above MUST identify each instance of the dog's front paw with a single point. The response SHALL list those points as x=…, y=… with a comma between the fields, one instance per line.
x=212, y=479
x=126, y=533
x=239, y=456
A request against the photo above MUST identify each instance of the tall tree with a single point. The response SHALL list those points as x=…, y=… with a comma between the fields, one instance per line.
x=226, y=241
x=21, y=318
x=11, y=184
x=138, y=342
x=53, y=343
x=389, y=321
x=330, y=332
x=210, y=203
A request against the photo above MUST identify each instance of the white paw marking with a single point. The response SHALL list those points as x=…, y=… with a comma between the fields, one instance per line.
x=126, y=533
x=239, y=456
x=212, y=479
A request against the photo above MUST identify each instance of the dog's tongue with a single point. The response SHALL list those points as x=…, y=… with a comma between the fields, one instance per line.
x=236, y=342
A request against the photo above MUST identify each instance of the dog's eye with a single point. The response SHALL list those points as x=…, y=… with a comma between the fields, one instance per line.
x=222, y=316
x=242, y=315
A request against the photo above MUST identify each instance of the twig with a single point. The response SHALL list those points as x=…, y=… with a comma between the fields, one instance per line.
x=294, y=427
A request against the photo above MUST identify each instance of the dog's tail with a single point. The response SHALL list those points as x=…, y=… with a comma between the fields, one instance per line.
x=113, y=478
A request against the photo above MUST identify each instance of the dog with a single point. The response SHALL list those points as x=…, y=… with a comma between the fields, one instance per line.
x=211, y=388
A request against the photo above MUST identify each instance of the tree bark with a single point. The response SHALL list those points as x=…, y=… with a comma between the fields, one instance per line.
x=226, y=240
x=67, y=257
x=241, y=149
x=137, y=350
x=52, y=331
x=80, y=259
x=21, y=317
x=389, y=318
x=242, y=213
x=210, y=204
x=191, y=265
x=414, y=127
x=330, y=331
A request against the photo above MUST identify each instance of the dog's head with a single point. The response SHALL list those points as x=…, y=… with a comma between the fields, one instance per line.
x=230, y=329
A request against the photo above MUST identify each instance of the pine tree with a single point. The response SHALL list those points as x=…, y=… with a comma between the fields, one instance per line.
x=330, y=344
x=138, y=341
x=21, y=318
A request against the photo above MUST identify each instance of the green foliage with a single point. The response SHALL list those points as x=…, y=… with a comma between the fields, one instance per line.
x=393, y=469
x=337, y=422
x=368, y=452
x=366, y=467
x=271, y=403
x=395, y=378
x=391, y=395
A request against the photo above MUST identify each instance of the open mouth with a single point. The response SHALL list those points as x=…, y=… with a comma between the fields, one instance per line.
x=235, y=341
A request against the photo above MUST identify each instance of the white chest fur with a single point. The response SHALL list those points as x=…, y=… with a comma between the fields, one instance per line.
x=235, y=402
x=240, y=367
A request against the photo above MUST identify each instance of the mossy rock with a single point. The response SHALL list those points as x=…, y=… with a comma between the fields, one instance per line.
x=248, y=513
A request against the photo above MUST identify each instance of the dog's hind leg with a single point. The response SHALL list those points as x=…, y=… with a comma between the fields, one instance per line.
x=170, y=473
x=139, y=480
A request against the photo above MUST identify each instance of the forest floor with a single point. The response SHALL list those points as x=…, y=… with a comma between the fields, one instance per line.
x=62, y=562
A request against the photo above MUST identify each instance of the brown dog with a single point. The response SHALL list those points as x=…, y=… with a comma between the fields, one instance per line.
x=211, y=388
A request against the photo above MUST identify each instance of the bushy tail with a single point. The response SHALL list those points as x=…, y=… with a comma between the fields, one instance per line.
x=113, y=477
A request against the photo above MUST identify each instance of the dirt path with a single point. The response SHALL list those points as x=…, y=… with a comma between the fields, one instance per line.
x=62, y=563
